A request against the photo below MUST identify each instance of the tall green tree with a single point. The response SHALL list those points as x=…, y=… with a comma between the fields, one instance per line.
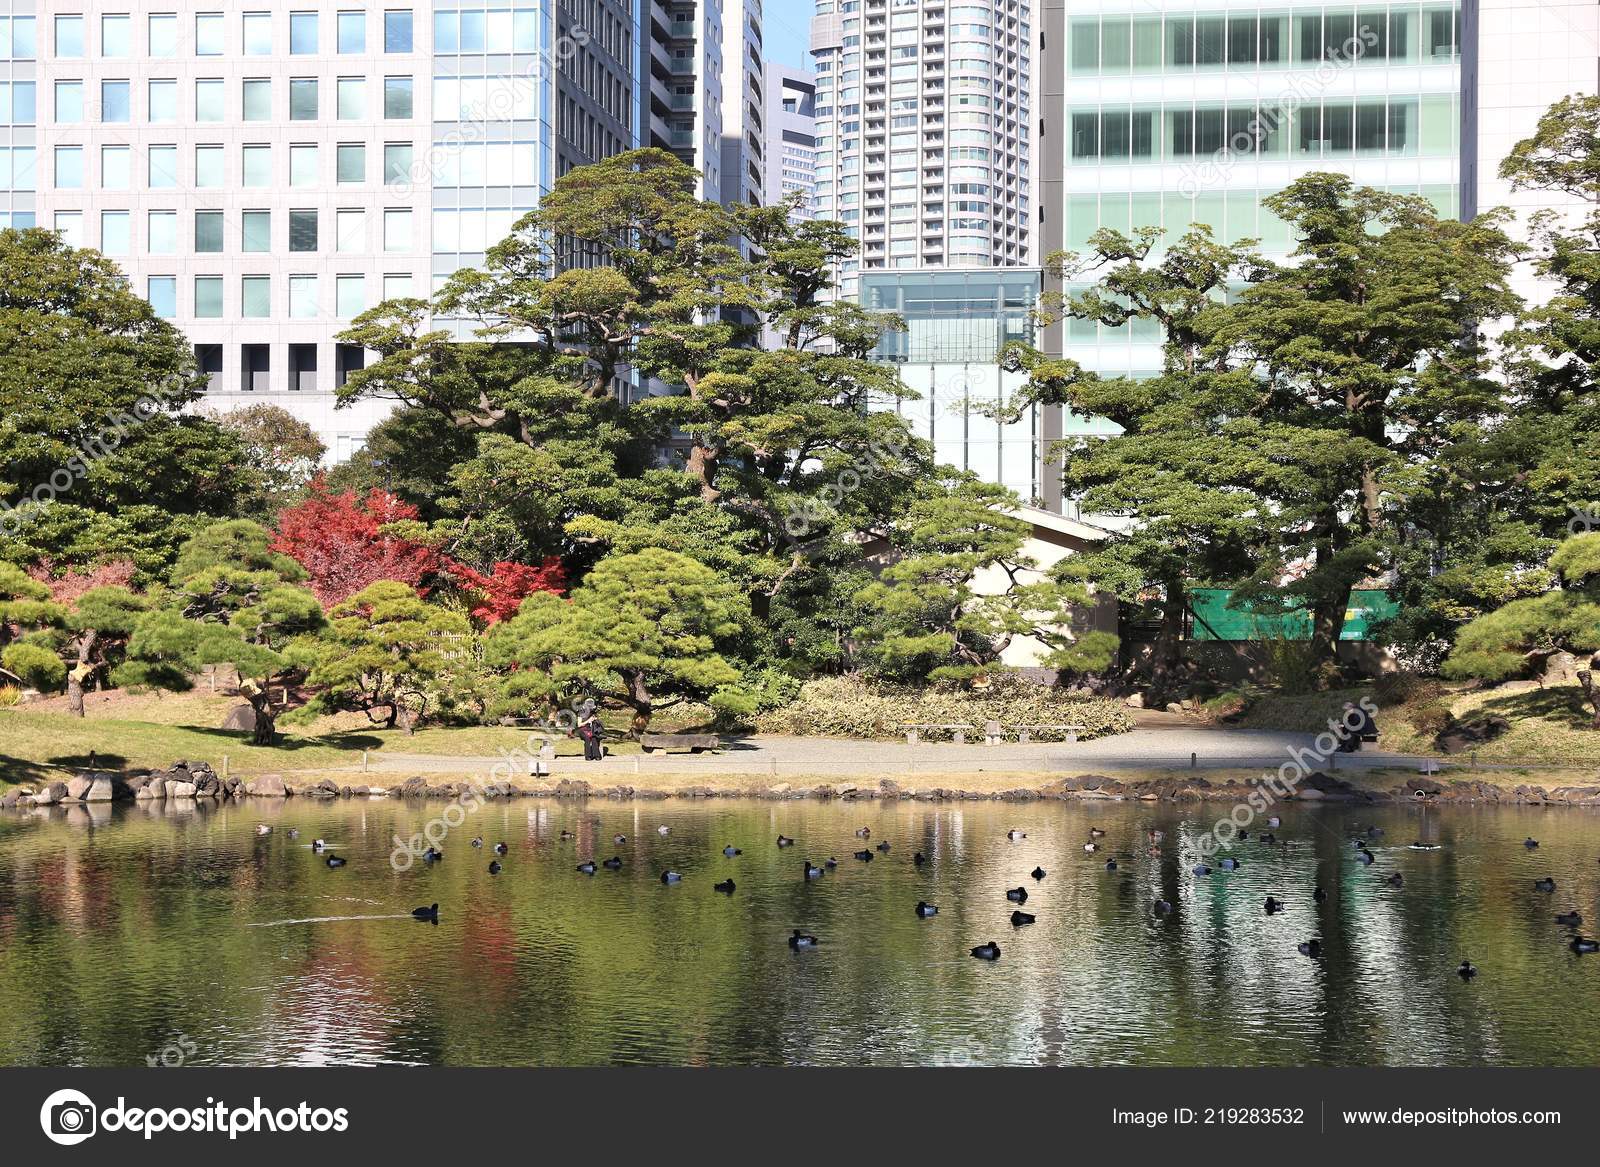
x=92, y=389
x=1304, y=431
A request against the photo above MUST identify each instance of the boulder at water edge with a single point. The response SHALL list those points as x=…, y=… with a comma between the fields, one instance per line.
x=51, y=794
x=267, y=786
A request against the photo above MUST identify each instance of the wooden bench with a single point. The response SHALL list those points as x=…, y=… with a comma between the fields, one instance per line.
x=693, y=742
x=958, y=732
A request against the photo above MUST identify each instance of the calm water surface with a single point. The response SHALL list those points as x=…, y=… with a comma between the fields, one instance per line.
x=145, y=931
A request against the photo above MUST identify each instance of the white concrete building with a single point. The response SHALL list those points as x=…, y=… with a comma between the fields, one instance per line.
x=264, y=173
x=925, y=130
x=680, y=84
x=791, y=165
x=1518, y=59
x=744, y=106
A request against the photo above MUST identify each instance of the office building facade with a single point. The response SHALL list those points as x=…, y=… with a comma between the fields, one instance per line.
x=791, y=168
x=680, y=75
x=265, y=173
x=925, y=131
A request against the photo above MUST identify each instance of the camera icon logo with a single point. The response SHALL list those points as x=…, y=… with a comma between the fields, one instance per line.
x=68, y=1117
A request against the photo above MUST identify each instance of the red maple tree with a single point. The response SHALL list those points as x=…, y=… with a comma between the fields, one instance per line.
x=500, y=593
x=340, y=541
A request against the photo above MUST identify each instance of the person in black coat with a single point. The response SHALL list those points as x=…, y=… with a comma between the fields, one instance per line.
x=589, y=730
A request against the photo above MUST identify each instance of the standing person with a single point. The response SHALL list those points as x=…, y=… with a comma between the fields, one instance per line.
x=589, y=731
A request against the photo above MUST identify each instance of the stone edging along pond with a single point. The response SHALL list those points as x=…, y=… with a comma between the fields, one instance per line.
x=197, y=780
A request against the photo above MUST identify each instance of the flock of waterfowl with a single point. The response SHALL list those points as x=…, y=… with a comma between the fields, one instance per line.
x=1312, y=948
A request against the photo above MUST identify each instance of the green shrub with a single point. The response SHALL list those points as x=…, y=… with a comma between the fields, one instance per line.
x=850, y=707
x=1228, y=703
x=37, y=667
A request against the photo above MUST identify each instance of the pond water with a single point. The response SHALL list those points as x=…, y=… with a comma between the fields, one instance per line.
x=146, y=932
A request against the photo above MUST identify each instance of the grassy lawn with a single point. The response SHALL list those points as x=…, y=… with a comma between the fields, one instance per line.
x=1549, y=724
x=39, y=743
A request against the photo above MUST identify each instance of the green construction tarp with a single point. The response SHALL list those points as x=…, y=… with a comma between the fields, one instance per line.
x=1214, y=620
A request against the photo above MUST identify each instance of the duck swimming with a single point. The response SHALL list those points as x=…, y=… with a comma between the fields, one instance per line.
x=501, y=848
x=1365, y=857
x=1091, y=847
x=1584, y=944
x=1201, y=869
x=1274, y=821
x=1419, y=845
x=1396, y=880
x=1272, y=905
x=335, y=861
x=884, y=847
x=812, y=870
x=725, y=887
x=1311, y=948
x=612, y=864
x=1018, y=895
x=1545, y=884
x=1466, y=972
x=785, y=841
x=830, y=863
x=1018, y=919
x=568, y=835
x=494, y=867
x=1319, y=895
x=1161, y=908
x=1015, y=834
x=1096, y=833
x=431, y=912
x=1111, y=864
x=588, y=867
x=863, y=832
x=864, y=856
x=1530, y=842
x=263, y=829
x=1037, y=873
x=925, y=909
x=663, y=830
x=619, y=839
x=919, y=859
x=318, y=844
x=670, y=877
x=478, y=842
x=802, y=940
x=730, y=851
x=1269, y=838
x=1572, y=919
x=1229, y=864
x=989, y=951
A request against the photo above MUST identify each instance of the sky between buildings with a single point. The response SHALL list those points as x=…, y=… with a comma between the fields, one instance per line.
x=786, y=30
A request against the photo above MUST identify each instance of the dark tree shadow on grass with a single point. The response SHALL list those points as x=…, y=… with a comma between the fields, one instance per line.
x=1557, y=704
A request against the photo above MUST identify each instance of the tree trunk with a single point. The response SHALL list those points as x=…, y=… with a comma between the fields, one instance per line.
x=1166, y=657
x=639, y=700
x=1591, y=689
x=1327, y=625
x=76, y=676
x=702, y=464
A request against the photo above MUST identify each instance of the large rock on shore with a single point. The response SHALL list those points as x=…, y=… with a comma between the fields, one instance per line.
x=51, y=794
x=267, y=786
x=177, y=789
x=100, y=789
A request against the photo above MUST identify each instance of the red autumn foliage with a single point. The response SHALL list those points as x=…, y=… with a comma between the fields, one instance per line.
x=74, y=581
x=501, y=592
x=338, y=539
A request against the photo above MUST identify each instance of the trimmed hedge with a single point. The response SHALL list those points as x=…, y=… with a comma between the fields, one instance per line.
x=849, y=707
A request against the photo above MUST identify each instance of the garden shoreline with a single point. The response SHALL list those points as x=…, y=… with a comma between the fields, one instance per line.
x=1373, y=787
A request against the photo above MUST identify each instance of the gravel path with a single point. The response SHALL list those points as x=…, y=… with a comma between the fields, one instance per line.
x=1146, y=748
